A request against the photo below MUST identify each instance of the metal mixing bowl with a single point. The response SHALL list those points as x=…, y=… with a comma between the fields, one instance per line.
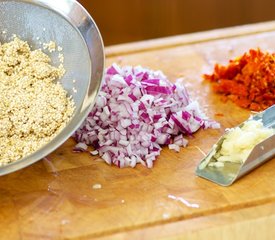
x=68, y=24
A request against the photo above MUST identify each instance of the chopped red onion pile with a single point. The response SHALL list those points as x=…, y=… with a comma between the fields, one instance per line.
x=137, y=112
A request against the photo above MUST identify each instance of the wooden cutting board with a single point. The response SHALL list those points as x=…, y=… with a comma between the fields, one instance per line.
x=56, y=197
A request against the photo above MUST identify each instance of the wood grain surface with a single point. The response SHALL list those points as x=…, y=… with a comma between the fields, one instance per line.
x=55, y=198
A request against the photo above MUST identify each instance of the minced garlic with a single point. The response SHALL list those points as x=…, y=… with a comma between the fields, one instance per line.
x=239, y=142
x=34, y=108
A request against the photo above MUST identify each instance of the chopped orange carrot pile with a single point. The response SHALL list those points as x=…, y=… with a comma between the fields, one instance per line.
x=249, y=80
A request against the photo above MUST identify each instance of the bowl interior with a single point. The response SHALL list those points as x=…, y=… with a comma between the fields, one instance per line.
x=68, y=25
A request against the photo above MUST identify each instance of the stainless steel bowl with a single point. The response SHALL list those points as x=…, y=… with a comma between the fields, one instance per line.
x=68, y=24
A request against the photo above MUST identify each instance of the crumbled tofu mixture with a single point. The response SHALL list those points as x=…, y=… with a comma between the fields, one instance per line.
x=34, y=107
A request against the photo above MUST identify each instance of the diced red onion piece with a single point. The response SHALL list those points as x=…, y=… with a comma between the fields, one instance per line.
x=80, y=147
x=107, y=157
x=174, y=147
x=94, y=152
